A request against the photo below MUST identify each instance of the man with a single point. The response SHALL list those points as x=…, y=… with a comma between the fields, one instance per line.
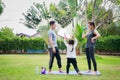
x=53, y=47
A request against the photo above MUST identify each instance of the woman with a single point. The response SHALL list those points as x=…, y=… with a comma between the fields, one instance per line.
x=91, y=36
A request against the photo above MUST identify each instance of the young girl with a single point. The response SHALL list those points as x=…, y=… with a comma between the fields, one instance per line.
x=71, y=55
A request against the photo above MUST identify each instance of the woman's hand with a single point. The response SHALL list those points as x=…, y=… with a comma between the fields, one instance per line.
x=97, y=36
x=93, y=40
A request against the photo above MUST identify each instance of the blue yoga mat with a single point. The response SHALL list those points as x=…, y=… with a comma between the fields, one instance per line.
x=74, y=73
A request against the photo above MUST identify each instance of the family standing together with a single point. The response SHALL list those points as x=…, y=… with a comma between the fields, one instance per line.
x=71, y=44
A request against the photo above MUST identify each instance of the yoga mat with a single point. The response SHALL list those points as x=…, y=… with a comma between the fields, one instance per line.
x=74, y=73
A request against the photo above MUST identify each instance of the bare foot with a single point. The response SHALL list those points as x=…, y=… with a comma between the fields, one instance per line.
x=95, y=73
x=50, y=72
x=79, y=73
x=61, y=71
x=89, y=71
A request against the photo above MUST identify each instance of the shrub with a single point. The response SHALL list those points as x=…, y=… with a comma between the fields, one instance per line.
x=105, y=44
x=109, y=44
x=7, y=45
x=61, y=44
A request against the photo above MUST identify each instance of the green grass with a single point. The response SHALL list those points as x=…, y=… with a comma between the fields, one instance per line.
x=22, y=67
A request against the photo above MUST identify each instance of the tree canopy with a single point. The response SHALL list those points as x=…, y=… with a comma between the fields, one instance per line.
x=6, y=33
x=81, y=10
x=1, y=7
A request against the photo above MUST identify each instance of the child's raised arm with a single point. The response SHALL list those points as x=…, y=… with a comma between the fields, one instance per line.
x=65, y=42
x=76, y=42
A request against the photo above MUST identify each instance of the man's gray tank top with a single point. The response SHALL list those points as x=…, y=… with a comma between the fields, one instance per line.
x=89, y=41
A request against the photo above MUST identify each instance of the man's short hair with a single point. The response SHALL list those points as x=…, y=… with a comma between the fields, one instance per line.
x=52, y=23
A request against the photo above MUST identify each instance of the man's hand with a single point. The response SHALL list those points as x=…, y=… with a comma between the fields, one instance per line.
x=54, y=50
x=52, y=45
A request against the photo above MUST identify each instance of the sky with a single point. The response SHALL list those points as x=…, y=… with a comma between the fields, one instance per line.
x=13, y=13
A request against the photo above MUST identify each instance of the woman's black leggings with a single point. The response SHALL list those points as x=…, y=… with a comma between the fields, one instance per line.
x=90, y=56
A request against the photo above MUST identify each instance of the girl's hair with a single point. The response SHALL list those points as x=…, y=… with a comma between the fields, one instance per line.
x=71, y=42
x=92, y=24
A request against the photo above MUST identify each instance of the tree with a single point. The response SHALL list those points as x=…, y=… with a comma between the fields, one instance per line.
x=116, y=1
x=105, y=19
x=117, y=11
x=60, y=15
x=64, y=12
x=42, y=9
x=32, y=18
x=67, y=10
x=1, y=7
x=98, y=13
x=6, y=33
x=43, y=29
x=111, y=29
x=35, y=15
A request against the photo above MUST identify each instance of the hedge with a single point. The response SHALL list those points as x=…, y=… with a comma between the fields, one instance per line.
x=104, y=44
x=108, y=44
x=61, y=44
x=7, y=45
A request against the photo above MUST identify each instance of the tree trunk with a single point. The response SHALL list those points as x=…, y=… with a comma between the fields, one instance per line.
x=93, y=15
x=77, y=51
x=86, y=13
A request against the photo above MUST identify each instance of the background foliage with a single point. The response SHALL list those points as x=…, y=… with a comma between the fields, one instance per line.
x=9, y=45
x=108, y=44
x=1, y=7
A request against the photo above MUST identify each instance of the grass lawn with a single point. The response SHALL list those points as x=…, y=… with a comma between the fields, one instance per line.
x=22, y=67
